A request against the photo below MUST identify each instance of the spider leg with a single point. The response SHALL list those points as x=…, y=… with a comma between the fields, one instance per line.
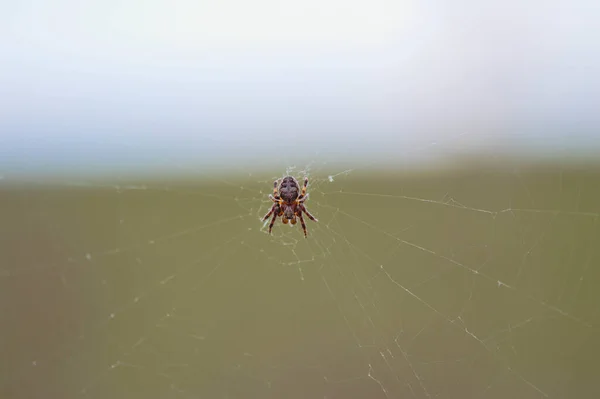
x=311, y=217
x=274, y=198
x=272, y=210
x=303, y=194
x=302, y=199
x=268, y=214
x=272, y=221
x=275, y=188
x=302, y=223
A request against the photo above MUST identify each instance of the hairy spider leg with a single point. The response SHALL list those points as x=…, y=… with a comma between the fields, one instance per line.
x=272, y=221
x=275, y=194
x=303, y=208
x=303, y=193
x=301, y=200
x=273, y=210
x=274, y=199
x=268, y=213
x=302, y=223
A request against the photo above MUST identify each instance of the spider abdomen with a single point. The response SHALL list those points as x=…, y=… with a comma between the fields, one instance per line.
x=288, y=189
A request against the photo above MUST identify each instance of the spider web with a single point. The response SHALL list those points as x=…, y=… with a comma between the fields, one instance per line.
x=465, y=282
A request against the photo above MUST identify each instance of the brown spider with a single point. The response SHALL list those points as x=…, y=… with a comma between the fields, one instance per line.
x=287, y=203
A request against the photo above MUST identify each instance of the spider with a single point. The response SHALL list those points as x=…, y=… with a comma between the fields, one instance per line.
x=288, y=203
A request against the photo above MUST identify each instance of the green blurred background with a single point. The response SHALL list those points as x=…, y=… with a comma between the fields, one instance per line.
x=452, y=150
x=470, y=281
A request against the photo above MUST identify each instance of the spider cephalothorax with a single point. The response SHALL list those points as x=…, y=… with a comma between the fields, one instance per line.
x=289, y=202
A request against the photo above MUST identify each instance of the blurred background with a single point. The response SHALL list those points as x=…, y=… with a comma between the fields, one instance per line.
x=452, y=158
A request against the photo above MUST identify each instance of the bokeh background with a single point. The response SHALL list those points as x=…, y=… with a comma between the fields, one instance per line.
x=452, y=156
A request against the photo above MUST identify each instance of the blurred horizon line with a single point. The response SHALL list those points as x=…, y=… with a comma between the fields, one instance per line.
x=165, y=164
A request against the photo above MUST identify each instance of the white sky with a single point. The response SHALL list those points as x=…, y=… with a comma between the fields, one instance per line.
x=218, y=77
